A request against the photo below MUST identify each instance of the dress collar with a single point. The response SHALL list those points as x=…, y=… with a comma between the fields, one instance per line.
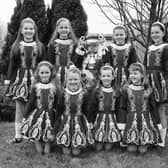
x=65, y=42
x=135, y=87
x=107, y=90
x=73, y=93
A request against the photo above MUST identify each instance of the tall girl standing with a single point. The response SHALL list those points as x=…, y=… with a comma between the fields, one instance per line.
x=157, y=71
x=25, y=53
x=120, y=55
x=63, y=49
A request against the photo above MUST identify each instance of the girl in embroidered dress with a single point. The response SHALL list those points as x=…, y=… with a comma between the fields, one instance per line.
x=40, y=112
x=157, y=72
x=74, y=132
x=138, y=116
x=103, y=110
x=120, y=55
x=25, y=53
x=63, y=49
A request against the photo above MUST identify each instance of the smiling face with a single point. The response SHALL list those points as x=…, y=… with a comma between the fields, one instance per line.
x=106, y=77
x=157, y=34
x=28, y=31
x=136, y=77
x=63, y=30
x=44, y=74
x=73, y=81
x=119, y=35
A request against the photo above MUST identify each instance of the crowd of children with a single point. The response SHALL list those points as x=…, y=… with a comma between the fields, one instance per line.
x=74, y=96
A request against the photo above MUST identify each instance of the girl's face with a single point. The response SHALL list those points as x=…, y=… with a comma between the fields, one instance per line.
x=73, y=81
x=157, y=34
x=28, y=31
x=136, y=77
x=63, y=30
x=44, y=74
x=119, y=36
x=106, y=77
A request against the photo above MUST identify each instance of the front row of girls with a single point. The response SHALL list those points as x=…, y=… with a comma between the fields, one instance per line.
x=75, y=119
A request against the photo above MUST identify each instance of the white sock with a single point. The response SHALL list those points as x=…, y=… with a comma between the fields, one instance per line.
x=163, y=133
x=17, y=130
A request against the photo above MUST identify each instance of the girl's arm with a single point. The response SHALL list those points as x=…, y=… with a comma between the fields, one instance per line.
x=153, y=109
x=78, y=56
x=107, y=57
x=132, y=56
x=92, y=105
x=122, y=111
x=30, y=106
x=51, y=54
x=164, y=60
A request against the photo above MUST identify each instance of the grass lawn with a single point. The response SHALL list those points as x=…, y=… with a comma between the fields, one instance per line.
x=24, y=156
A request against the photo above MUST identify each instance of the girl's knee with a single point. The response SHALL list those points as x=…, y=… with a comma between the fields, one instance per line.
x=132, y=148
x=98, y=146
x=76, y=151
x=108, y=146
x=66, y=151
x=142, y=149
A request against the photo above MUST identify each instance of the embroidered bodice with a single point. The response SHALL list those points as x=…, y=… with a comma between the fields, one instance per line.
x=138, y=99
x=106, y=99
x=120, y=55
x=28, y=54
x=63, y=51
x=154, y=56
x=45, y=95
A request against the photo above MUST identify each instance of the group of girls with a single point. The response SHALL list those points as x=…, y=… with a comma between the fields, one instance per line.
x=123, y=103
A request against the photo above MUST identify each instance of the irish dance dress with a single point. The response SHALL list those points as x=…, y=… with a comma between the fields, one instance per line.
x=40, y=113
x=103, y=107
x=21, y=70
x=74, y=130
x=61, y=53
x=157, y=70
x=139, y=115
x=120, y=57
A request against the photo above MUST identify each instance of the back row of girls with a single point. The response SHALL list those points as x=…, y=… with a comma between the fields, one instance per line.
x=63, y=49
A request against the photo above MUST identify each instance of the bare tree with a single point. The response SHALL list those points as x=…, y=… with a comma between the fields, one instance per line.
x=137, y=15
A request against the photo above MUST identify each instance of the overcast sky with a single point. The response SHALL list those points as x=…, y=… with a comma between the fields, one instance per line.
x=97, y=22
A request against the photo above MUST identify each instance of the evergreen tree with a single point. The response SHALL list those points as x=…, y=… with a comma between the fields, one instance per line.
x=13, y=27
x=73, y=10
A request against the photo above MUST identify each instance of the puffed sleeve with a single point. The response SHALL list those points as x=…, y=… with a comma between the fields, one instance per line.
x=31, y=103
x=13, y=64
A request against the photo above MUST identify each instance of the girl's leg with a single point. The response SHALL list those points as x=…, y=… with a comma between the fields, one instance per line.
x=108, y=146
x=76, y=151
x=20, y=107
x=132, y=148
x=47, y=147
x=66, y=151
x=98, y=146
x=163, y=119
x=39, y=147
x=142, y=149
